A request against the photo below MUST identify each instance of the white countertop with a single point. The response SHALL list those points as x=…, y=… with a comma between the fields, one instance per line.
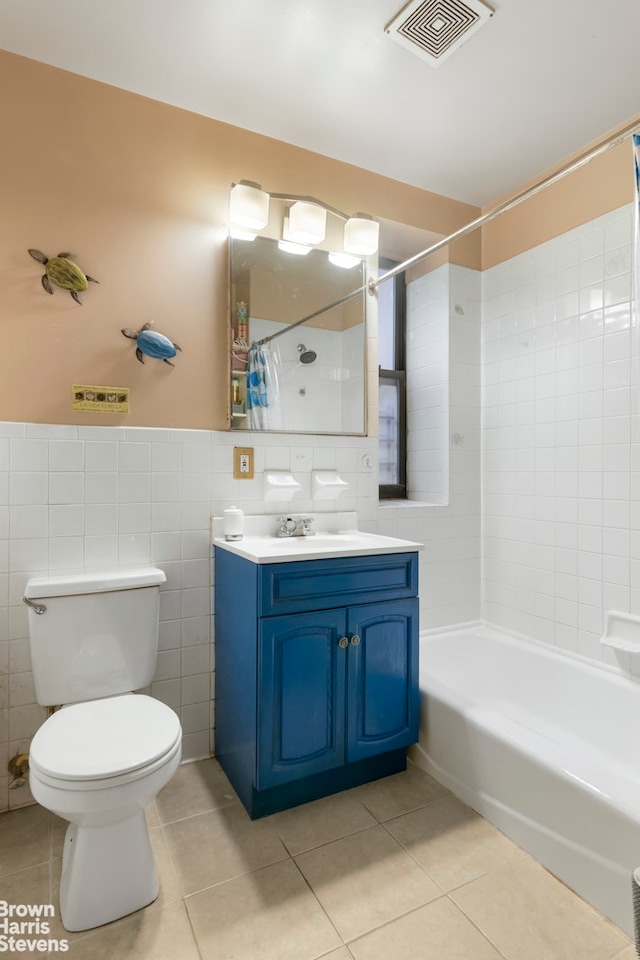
x=336, y=536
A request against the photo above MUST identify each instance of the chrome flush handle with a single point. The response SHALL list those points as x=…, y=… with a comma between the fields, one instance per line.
x=36, y=607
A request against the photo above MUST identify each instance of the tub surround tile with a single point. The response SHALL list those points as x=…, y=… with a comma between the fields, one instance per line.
x=452, y=842
x=269, y=915
x=365, y=880
x=437, y=931
x=527, y=914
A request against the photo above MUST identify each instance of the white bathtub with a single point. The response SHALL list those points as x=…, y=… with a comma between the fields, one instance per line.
x=544, y=745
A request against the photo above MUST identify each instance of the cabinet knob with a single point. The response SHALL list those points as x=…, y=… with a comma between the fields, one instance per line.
x=343, y=642
x=355, y=640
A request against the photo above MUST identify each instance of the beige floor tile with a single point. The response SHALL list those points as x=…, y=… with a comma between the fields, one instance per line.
x=269, y=915
x=400, y=793
x=165, y=935
x=365, y=880
x=321, y=821
x=169, y=886
x=628, y=954
x=452, y=842
x=438, y=931
x=341, y=954
x=194, y=788
x=151, y=814
x=529, y=915
x=25, y=838
x=32, y=885
x=220, y=845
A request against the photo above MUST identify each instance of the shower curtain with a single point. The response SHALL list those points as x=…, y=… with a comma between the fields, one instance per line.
x=263, y=393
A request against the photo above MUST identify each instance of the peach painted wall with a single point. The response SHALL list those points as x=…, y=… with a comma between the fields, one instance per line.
x=138, y=190
x=602, y=185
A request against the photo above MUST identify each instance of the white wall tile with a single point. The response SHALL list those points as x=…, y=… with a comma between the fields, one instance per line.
x=100, y=456
x=28, y=521
x=28, y=455
x=66, y=520
x=101, y=487
x=66, y=455
x=28, y=488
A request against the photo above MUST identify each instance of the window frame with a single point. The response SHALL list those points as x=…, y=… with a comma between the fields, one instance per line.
x=397, y=491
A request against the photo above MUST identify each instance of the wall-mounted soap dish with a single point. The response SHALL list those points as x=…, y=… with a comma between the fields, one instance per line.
x=622, y=633
x=327, y=485
x=279, y=485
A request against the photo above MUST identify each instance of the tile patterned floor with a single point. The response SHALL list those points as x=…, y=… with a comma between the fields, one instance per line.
x=394, y=870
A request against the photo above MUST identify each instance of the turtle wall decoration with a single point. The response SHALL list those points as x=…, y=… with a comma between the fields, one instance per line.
x=152, y=344
x=64, y=273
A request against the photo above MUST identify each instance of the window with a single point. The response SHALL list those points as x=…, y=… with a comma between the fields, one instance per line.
x=392, y=442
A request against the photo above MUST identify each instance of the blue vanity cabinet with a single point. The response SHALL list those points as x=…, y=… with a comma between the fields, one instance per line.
x=316, y=674
x=301, y=696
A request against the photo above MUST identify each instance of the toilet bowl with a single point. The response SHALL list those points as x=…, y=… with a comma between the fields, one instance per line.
x=98, y=765
x=102, y=757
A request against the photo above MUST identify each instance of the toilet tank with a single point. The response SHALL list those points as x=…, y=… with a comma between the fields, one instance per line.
x=98, y=633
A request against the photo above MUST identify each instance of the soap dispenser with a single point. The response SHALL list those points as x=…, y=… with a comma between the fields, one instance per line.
x=233, y=523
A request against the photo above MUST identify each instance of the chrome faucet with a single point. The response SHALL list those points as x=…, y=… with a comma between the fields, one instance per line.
x=295, y=527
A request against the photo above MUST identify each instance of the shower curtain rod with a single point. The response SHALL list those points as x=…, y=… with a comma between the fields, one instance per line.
x=371, y=286
x=581, y=161
x=310, y=316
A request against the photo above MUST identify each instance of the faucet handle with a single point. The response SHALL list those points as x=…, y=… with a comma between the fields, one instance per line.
x=286, y=526
x=307, y=526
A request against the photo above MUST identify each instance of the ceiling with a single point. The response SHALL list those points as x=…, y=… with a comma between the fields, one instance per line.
x=539, y=81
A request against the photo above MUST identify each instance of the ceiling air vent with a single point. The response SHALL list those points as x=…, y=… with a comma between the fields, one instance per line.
x=433, y=29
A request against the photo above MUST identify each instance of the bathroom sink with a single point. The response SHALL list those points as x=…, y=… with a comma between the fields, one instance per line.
x=268, y=548
x=339, y=541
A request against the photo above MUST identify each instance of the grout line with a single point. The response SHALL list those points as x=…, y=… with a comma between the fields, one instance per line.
x=320, y=904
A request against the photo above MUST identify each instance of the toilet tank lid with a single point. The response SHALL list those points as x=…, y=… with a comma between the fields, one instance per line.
x=94, y=581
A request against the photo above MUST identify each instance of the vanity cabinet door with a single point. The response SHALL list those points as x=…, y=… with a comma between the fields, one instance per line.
x=301, y=691
x=382, y=678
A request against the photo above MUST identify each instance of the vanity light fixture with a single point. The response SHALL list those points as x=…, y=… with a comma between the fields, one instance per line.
x=305, y=220
x=289, y=244
x=238, y=234
x=361, y=235
x=298, y=249
x=249, y=205
x=344, y=260
x=307, y=223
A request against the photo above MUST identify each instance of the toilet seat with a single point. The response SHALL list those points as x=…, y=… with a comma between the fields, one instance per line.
x=116, y=739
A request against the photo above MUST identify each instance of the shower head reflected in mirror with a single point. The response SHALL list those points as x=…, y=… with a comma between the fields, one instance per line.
x=306, y=356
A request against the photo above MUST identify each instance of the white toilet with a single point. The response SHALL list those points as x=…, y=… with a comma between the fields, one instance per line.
x=102, y=758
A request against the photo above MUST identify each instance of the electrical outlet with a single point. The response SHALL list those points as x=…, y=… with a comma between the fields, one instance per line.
x=243, y=463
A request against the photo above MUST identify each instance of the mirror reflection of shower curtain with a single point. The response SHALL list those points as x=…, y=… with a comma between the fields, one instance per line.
x=635, y=316
x=263, y=392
